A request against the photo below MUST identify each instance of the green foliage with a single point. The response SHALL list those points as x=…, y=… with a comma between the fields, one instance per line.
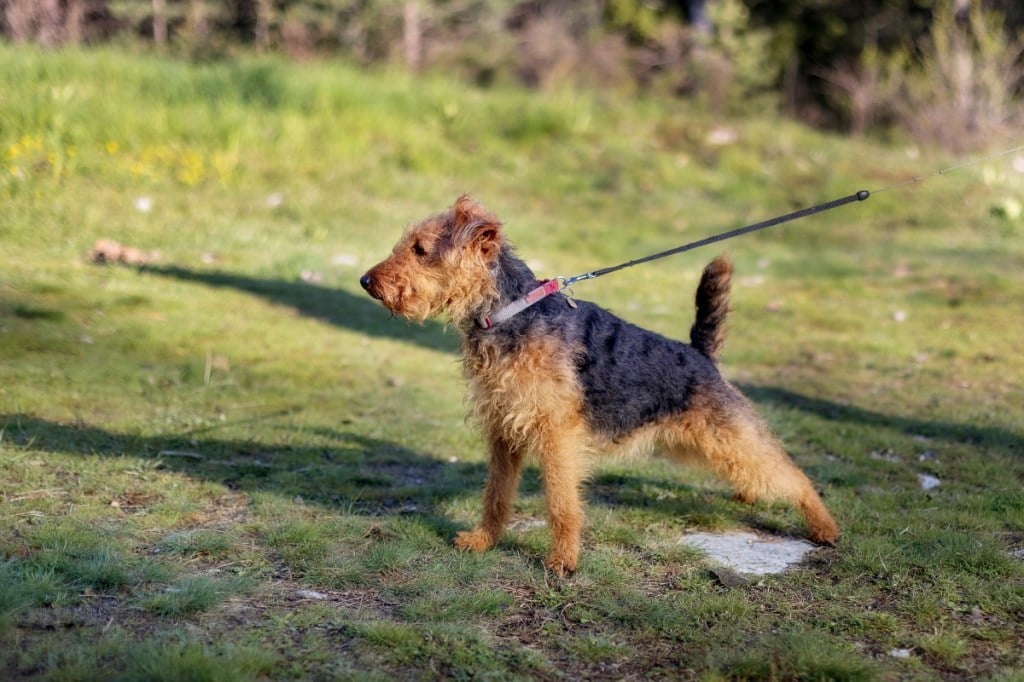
x=641, y=20
x=962, y=86
x=753, y=63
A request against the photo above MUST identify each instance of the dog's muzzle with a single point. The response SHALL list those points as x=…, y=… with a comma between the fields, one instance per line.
x=366, y=281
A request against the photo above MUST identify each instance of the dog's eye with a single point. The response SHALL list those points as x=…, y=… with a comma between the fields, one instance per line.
x=418, y=249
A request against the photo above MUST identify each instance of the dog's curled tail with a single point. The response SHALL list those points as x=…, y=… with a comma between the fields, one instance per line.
x=708, y=331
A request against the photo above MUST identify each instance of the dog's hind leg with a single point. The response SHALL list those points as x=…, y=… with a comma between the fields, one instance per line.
x=722, y=432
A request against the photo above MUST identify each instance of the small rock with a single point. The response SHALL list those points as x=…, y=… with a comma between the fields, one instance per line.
x=928, y=481
x=527, y=524
x=311, y=594
x=345, y=259
x=727, y=577
x=900, y=653
x=1009, y=208
x=885, y=456
x=719, y=137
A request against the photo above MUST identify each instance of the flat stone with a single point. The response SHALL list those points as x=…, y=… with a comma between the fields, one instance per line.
x=748, y=553
x=311, y=594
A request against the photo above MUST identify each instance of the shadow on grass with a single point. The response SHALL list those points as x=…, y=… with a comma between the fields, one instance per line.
x=968, y=434
x=351, y=472
x=334, y=306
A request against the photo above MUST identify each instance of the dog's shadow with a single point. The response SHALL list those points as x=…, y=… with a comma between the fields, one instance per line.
x=346, y=471
x=706, y=503
x=954, y=432
x=358, y=474
x=332, y=305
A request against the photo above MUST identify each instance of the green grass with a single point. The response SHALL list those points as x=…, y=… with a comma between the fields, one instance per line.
x=234, y=465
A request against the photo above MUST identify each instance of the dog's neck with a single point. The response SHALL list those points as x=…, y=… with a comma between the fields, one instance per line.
x=513, y=279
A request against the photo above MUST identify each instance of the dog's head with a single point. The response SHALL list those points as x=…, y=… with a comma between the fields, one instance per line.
x=442, y=265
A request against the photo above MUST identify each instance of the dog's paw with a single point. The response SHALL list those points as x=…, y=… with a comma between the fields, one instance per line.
x=745, y=498
x=473, y=540
x=821, y=527
x=826, y=534
x=560, y=564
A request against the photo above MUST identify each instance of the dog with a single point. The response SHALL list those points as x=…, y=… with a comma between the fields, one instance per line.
x=559, y=380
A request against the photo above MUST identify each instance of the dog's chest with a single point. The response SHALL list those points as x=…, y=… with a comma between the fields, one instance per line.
x=519, y=384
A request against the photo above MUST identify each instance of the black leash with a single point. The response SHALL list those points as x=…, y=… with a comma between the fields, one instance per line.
x=764, y=224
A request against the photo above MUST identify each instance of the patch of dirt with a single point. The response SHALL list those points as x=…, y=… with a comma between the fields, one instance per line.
x=109, y=251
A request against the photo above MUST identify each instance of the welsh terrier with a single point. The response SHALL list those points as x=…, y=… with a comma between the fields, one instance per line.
x=561, y=379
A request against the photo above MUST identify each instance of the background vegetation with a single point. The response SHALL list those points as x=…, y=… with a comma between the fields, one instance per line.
x=948, y=72
x=231, y=464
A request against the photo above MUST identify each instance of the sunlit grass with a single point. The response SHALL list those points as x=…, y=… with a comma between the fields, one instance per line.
x=233, y=464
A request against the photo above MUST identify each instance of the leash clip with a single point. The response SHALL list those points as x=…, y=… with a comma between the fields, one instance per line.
x=567, y=282
x=564, y=289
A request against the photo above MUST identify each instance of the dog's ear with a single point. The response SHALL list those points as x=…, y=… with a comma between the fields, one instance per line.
x=476, y=226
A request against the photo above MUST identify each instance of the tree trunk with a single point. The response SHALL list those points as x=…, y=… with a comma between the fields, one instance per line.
x=159, y=21
x=197, y=21
x=74, y=22
x=50, y=23
x=412, y=35
x=18, y=17
x=263, y=11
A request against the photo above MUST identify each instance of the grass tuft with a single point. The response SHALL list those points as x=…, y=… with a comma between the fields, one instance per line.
x=193, y=594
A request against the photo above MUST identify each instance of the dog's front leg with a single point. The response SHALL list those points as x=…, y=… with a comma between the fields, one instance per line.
x=502, y=482
x=562, y=467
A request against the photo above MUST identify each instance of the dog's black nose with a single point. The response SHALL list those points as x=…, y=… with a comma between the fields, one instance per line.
x=366, y=281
